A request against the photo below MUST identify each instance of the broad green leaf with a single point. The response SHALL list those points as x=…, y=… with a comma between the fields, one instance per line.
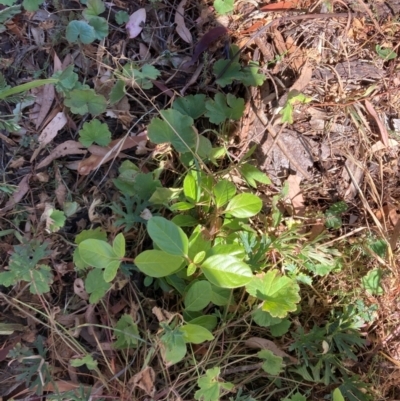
x=87, y=360
x=94, y=8
x=278, y=330
x=117, y=92
x=168, y=236
x=191, y=105
x=94, y=131
x=140, y=77
x=80, y=31
x=40, y=280
x=198, y=296
x=227, y=71
x=195, y=334
x=244, y=205
x=209, y=322
x=264, y=319
x=385, y=53
x=182, y=220
x=119, y=245
x=8, y=2
x=236, y=250
x=273, y=364
x=58, y=220
x=126, y=332
x=32, y=5
x=111, y=270
x=372, y=282
x=220, y=296
x=337, y=395
x=280, y=294
x=378, y=246
x=174, y=128
x=224, y=190
x=226, y=271
x=100, y=26
x=181, y=206
x=96, y=253
x=8, y=13
x=190, y=188
x=96, y=286
x=83, y=101
x=296, y=397
x=253, y=175
x=67, y=79
x=156, y=263
x=96, y=233
x=251, y=76
x=121, y=17
x=224, y=107
x=174, y=345
x=198, y=242
x=223, y=6
x=211, y=386
x=287, y=113
x=199, y=257
x=204, y=147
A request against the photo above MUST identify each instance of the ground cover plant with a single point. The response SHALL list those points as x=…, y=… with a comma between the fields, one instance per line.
x=196, y=207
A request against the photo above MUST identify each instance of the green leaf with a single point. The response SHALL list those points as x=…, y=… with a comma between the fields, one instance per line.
x=58, y=220
x=278, y=330
x=190, y=188
x=372, y=282
x=195, y=334
x=182, y=220
x=119, y=245
x=224, y=107
x=227, y=71
x=32, y=5
x=191, y=105
x=385, y=53
x=8, y=13
x=251, y=76
x=67, y=79
x=244, y=205
x=96, y=233
x=111, y=270
x=272, y=364
x=174, y=345
x=224, y=190
x=8, y=2
x=127, y=333
x=141, y=77
x=264, y=319
x=41, y=278
x=174, y=128
x=96, y=286
x=204, y=148
x=211, y=386
x=198, y=296
x=280, y=294
x=117, y=92
x=252, y=174
x=378, y=246
x=87, y=360
x=223, y=6
x=94, y=8
x=94, y=131
x=220, y=296
x=96, y=253
x=168, y=236
x=209, y=322
x=156, y=263
x=296, y=397
x=83, y=101
x=337, y=395
x=287, y=113
x=80, y=31
x=226, y=271
x=100, y=26
x=121, y=17
x=199, y=257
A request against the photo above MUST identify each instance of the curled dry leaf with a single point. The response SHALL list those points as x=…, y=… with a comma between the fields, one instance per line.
x=79, y=289
x=145, y=380
x=263, y=343
x=382, y=129
x=181, y=28
x=23, y=188
x=64, y=149
x=135, y=24
x=44, y=97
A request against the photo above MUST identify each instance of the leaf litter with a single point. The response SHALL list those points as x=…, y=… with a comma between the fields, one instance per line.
x=343, y=141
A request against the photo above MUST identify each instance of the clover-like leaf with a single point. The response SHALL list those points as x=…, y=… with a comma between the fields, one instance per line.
x=174, y=128
x=127, y=333
x=191, y=105
x=227, y=71
x=94, y=8
x=96, y=286
x=251, y=76
x=94, y=131
x=372, y=282
x=80, y=31
x=87, y=360
x=224, y=107
x=223, y=6
x=280, y=294
x=100, y=26
x=272, y=364
x=83, y=101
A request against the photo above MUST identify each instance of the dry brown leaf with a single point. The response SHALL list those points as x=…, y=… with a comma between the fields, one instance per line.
x=23, y=188
x=79, y=289
x=105, y=154
x=161, y=314
x=181, y=28
x=304, y=79
x=263, y=343
x=57, y=65
x=64, y=149
x=44, y=99
x=380, y=145
x=382, y=129
x=17, y=163
x=295, y=194
x=145, y=381
x=136, y=22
